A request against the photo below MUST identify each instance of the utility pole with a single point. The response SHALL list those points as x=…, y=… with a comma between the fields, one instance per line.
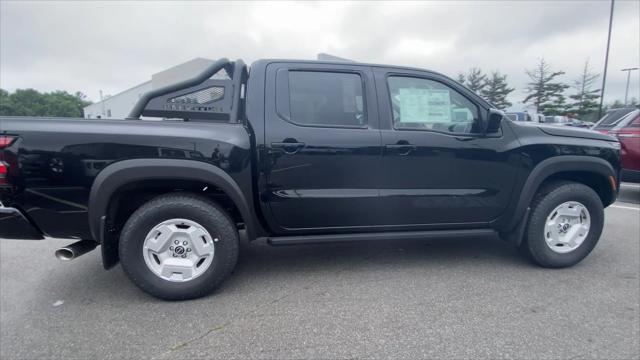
x=626, y=92
x=101, y=105
x=606, y=60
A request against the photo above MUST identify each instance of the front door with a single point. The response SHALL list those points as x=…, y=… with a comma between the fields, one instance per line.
x=323, y=147
x=439, y=168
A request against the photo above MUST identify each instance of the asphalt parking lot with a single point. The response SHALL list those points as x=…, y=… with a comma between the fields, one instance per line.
x=414, y=299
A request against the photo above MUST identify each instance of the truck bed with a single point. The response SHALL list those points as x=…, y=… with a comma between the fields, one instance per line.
x=54, y=161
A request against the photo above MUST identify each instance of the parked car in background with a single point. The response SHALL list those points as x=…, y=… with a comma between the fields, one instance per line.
x=523, y=116
x=611, y=118
x=539, y=118
x=556, y=120
x=627, y=130
x=578, y=123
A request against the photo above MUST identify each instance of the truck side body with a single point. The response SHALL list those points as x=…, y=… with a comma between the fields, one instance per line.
x=278, y=178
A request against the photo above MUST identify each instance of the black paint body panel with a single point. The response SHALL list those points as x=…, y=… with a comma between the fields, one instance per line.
x=59, y=159
x=342, y=180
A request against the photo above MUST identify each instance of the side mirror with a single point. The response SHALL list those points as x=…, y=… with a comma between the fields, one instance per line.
x=493, y=121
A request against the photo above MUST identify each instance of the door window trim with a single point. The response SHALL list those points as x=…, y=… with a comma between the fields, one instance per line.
x=431, y=78
x=283, y=96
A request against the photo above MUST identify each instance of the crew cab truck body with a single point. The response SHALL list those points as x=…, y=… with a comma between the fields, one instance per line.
x=299, y=152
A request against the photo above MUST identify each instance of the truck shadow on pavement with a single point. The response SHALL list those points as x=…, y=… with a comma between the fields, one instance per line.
x=260, y=265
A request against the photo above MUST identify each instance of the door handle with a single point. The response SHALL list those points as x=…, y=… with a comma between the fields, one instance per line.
x=400, y=149
x=288, y=147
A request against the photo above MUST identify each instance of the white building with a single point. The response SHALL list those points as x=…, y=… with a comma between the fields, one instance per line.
x=118, y=106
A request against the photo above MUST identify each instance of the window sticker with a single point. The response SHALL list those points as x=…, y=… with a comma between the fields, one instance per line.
x=424, y=105
x=462, y=115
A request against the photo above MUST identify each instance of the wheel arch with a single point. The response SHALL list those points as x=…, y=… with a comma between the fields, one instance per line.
x=120, y=174
x=594, y=172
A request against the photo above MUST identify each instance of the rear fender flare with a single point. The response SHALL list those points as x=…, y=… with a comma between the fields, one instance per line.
x=118, y=174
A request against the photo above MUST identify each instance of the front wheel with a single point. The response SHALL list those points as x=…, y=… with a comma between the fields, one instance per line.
x=565, y=224
x=178, y=246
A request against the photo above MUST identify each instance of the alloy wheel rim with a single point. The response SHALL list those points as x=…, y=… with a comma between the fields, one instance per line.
x=179, y=250
x=567, y=227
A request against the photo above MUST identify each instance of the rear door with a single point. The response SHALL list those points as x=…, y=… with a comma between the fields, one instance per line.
x=323, y=147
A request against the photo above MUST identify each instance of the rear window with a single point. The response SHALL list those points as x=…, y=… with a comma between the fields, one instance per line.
x=611, y=118
x=326, y=99
x=629, y=120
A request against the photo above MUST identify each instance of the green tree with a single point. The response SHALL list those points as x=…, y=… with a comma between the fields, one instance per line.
x=585, y=100
x=30, y=102
x=475, y=80
x=461, y=78
x=496, y=90
x=617, y=104
x=61, y=103
x=27, y=102
x=5, y=104
x=546, y=93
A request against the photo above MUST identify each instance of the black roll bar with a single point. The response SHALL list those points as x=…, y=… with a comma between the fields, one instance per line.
x=204, y=75
x=238, y=77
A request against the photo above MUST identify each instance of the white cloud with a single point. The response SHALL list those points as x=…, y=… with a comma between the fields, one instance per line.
x=88, y=46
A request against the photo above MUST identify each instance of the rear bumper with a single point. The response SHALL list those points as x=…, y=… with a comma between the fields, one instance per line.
x=630, y=175
x=15, y=225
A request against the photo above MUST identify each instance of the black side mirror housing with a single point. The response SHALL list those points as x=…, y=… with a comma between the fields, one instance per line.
x=494, y=119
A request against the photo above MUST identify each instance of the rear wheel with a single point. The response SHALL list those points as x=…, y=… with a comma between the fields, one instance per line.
x=178, y=246
x=565, y=224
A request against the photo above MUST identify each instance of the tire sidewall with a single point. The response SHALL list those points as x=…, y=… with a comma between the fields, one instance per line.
x=155, y=212
x=536, y=243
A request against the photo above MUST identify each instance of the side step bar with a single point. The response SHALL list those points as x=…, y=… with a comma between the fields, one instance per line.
x=400, y=235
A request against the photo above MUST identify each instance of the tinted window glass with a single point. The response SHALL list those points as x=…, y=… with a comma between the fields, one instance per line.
x=430, y=105
x=329, y=99
x=626, y=120
x=611, y=118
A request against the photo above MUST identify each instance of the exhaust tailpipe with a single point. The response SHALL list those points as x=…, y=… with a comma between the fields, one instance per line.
x=76, y=249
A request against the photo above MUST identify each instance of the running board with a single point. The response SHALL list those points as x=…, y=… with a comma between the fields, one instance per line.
x=399, y=235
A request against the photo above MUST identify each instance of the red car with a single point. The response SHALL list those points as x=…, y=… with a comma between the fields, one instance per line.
x=627, y=130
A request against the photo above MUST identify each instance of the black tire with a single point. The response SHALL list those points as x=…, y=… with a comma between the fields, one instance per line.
x=185, y=206
x=546, y=200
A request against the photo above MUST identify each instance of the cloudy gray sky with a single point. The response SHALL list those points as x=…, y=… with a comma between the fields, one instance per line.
x=92, y=45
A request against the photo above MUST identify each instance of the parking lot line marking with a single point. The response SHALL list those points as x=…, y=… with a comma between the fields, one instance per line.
x=625, y=207
x=635, y=186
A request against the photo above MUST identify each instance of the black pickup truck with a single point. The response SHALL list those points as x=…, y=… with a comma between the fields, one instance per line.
x=298, y=152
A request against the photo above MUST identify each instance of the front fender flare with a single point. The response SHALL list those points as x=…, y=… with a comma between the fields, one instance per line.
x=543, y=171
